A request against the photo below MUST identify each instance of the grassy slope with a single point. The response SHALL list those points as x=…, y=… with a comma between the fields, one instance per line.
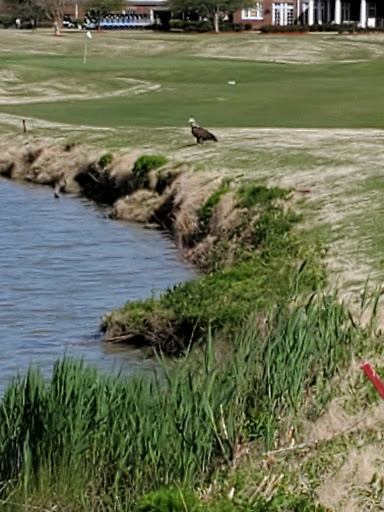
x=312, y=82
x=285, y=82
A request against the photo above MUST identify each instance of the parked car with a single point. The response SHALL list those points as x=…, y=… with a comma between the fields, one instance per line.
x=68, y=23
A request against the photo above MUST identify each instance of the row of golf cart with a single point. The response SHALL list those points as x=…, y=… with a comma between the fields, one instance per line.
x=111, y=22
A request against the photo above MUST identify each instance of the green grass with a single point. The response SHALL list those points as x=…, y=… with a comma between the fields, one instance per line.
x=267, y=94
x=257, y=195
x=205, y=212
x=147, y=163
x=259, y=263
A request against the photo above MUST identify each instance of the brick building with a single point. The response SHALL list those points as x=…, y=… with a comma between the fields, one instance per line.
x=365, y=13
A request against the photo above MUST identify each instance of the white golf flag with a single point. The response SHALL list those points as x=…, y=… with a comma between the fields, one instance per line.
x=89, y=34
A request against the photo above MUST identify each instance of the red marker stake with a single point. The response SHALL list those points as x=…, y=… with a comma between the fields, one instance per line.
x=373, y=377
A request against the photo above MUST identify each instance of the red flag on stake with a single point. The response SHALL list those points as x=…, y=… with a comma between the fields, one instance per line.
x=373, y=377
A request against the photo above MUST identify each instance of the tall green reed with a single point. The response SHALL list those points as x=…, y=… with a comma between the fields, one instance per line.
x=99, y=439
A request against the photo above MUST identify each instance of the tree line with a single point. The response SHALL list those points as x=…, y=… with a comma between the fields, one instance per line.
x=33, y=12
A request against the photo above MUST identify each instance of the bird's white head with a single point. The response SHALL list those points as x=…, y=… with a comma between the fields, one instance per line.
x=191, y=120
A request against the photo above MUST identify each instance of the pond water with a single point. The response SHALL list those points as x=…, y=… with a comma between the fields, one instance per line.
x=63, y=264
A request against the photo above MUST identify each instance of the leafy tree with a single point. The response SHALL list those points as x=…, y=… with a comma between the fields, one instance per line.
x=26, y=10
x=54, y=11
x=99, y=8
x=211, y=9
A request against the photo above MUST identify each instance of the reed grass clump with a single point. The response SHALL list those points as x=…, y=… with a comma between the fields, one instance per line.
x=101, y=443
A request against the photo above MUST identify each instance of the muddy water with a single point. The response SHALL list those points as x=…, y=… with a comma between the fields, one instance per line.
x=63, y=264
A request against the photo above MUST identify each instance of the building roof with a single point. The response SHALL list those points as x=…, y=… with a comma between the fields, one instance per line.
x=155, y=3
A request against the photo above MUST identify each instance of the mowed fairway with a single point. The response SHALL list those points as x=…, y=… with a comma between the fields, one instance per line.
x=139, y=86
x=305, y=112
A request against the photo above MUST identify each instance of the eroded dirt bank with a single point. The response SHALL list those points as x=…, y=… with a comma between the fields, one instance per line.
x=170, y=198
x=214, y=226
x=167, y=198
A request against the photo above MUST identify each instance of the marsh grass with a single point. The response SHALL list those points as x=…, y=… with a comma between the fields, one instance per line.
x=96, y=438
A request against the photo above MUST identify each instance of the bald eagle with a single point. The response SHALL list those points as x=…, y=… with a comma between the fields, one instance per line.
x=200, y=133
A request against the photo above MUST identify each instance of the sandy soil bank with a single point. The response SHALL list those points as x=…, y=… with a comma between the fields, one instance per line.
x=169, y=198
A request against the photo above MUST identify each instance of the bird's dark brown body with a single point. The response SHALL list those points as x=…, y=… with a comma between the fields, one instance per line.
x=200, y=133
